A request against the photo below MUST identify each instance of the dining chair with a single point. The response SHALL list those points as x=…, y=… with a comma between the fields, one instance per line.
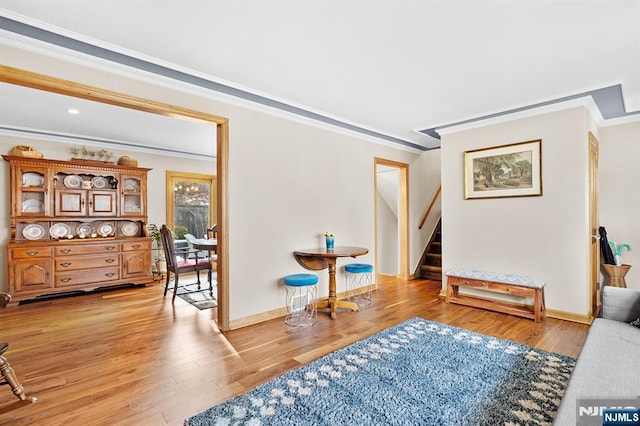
x=181, y=261
x=213, y=258
x=212, y=232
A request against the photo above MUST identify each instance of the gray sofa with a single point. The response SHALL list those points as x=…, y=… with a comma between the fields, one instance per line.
x=609, y=362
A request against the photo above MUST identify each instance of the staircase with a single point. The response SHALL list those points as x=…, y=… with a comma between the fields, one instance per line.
x=431, y=263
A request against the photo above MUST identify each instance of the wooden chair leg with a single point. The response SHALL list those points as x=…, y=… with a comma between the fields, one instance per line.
x=5, y=298
x=10, y=377
x=166, y=283
x=175, y=284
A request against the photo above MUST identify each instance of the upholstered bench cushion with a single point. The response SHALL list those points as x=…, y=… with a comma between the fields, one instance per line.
x=498, y=277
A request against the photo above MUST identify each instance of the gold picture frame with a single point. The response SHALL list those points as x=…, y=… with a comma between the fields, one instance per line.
x=513, y=170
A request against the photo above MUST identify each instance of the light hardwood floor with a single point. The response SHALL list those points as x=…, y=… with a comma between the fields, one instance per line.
x=130, y=357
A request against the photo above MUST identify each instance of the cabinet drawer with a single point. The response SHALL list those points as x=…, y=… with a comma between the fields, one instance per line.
x=79, y=249
x=136, y=245
x=30, y=252
x=82, y=278
x=86, y=262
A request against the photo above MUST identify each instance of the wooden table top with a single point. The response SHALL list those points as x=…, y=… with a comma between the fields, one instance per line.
x=204, y=244
x=338, y=251
x=320, y=258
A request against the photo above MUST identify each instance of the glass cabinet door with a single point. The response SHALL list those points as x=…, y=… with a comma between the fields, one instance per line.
x=132, y=196
x=31, y=192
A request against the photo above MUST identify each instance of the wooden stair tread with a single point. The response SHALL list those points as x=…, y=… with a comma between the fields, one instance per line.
x=431, y=268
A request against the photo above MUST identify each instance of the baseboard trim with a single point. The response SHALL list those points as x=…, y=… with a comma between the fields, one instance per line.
x=281, y=312
x=258, y=318
x=569, y=316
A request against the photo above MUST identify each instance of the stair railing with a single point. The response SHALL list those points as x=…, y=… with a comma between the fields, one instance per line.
x=433, y=201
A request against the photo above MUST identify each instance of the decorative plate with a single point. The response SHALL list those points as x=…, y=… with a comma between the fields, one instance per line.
x=32, y=206
x=99, y=182
x=33, y=231
x=129, y=229
x=31, y=179
x=105, y=229
x=85, y=229
x=73, y=181
x=131, y=185
x=60, y=230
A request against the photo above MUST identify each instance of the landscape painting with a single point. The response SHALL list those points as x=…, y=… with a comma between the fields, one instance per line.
x=504, y=171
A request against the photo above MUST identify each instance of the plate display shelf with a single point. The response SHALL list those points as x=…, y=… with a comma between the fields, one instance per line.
x=70, y=229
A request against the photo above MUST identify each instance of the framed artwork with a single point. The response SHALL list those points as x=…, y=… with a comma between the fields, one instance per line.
x=513, y=170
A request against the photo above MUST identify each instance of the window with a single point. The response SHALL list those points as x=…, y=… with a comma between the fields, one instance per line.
x=191, y=203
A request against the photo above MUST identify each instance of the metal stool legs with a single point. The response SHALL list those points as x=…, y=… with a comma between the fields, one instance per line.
x=359, y=283
x=302, y=293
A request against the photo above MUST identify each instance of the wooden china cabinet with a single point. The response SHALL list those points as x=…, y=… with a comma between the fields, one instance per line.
x=76, y=225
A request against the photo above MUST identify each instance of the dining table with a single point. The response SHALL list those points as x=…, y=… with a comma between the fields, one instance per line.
x=317, y=259
x=210, y=245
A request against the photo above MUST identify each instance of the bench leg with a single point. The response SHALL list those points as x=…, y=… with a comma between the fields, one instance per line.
x=452, y=291
x=538, y=305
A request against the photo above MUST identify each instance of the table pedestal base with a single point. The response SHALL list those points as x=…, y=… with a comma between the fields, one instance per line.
x=335, y=304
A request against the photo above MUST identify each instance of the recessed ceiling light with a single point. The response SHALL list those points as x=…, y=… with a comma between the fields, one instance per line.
x=73, y=111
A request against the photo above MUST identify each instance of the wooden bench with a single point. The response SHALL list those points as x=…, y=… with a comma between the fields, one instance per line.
x=515, y=285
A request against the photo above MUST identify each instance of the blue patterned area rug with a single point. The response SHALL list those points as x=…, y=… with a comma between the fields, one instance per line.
x=416, y=373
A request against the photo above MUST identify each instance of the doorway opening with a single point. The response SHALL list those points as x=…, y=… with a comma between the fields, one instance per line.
x=70, y=88
x=391, y=203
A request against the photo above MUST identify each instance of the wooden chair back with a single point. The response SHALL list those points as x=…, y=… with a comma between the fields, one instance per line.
x=169, y=248
x=213, y=231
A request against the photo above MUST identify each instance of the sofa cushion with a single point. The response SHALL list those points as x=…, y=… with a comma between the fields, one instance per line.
x=605, y=367
x=620, y=304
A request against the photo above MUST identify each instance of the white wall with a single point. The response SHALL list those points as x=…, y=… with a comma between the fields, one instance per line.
x=619, y=193
x=547, y=236
x=289, y=181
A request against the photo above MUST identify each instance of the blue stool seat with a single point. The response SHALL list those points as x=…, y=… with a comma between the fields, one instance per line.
x=358, y=268
x=301, y=294
x=299, y=280
x=359, y=283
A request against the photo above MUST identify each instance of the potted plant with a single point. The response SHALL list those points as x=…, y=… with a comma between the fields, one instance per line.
x=158, y=258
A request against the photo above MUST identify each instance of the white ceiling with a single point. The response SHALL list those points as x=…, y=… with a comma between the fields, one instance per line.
x=388, y=68
x=37, y=113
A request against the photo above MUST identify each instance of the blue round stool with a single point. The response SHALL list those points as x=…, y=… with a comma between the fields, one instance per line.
x=302, y=292
x=359, y=283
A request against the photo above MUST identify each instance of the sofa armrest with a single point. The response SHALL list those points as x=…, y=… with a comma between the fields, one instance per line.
x=620, y=304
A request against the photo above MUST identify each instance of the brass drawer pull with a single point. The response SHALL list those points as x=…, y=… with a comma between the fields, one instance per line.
x=32, y=252
x=65, y=264
x=65, y=251
x=135, y=246
x=110, y=274
x=110, y=260
x=110, y=248
x=65, y=280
